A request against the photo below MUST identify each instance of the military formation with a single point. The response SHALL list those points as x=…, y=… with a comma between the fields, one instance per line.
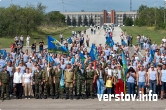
x=73, y=82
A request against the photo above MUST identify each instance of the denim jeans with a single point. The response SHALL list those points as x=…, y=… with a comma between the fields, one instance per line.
x=142, y=45
x=109, y=89
x=153, y=86
x=130, y=87
x=100, y=86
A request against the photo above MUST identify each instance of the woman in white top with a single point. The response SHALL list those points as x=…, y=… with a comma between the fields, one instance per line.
x=141, y=79
x=163, y=80
x=27, y=41
x=27, y=82
x=152, y=79
x=17, y=80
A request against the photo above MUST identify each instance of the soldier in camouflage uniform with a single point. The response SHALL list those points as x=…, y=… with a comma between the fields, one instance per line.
x=90, y=79
x=69, y=77
x=4, y=82
x=37, y=80
x=47, y=78
x=57, y=77
x=80, y=80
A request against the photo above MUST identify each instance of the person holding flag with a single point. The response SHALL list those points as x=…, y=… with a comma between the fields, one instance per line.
x=59, y=88
x=100, y=76
x=119, y=83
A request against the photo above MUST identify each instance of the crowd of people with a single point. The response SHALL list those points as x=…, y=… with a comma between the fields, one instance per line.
x=31, y=74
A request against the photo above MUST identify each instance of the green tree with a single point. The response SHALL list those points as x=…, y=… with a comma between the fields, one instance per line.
x=79, y=21
x=74, y=21
x=91, y=21
x=68, y=21
x=85, y=21
x=128, y=21
x=55, y=17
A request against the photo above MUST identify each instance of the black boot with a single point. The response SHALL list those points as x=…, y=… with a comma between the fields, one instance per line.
x=78, y=97
x=91, y=96
x=45, y=97
x=37, y=97
x=52, y=97
x=57, y=97
x=83, y=96
x=71, y=97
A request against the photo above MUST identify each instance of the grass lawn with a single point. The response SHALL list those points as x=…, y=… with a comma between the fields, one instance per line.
x=155, y=35
x=42, y=34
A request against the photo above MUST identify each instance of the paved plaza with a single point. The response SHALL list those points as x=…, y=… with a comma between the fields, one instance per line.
x=87, y=104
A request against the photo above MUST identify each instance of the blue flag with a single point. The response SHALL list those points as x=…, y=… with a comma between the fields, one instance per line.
x=62, y=84
x=55, y=46
x=109, y=41
x=73, y=60
x=112, y=43
x=124, y=62
x=50, y=59
x=82, y=59
x=93, y=52
x=70, y=40
x=124, y=43
x=151, y=55
x=3, y=52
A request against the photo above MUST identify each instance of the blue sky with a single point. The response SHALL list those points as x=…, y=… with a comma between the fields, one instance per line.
x=87, y=5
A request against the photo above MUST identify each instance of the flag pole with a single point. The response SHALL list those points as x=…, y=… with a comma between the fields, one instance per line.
x=48, y=59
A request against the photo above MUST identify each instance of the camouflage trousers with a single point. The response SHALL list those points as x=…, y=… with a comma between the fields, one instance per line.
x=58, y=89
x=80, y=87
x=38, y=89
x=5, y=89
x=89, y=87
x=48, y=87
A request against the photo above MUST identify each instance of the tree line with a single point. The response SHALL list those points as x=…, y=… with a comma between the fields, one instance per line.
x=81, y=21
x=24, y=20
x=151, y=16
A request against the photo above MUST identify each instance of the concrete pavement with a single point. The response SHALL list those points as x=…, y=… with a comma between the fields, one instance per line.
x=87, y=104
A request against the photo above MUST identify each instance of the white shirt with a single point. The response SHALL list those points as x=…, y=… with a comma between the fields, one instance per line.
x=27, y=38
x=110, y=72
x=17, y=77
x=164, y=40
x=27, y=77
x=119, y=74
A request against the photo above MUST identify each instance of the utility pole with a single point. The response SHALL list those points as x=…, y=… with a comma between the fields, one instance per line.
x=63, y=6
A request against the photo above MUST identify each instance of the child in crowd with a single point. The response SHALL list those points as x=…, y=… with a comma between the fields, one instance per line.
x=109, y=85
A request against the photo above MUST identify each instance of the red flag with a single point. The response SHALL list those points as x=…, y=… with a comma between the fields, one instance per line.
x=110, y=34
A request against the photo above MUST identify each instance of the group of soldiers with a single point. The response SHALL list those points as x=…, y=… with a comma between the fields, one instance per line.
x=56, y=82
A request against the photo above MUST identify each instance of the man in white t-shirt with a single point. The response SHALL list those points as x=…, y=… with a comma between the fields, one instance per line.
x=164, y=40
x=27, y=41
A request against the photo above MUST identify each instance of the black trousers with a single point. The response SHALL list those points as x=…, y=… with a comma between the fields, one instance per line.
x=19, y=90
